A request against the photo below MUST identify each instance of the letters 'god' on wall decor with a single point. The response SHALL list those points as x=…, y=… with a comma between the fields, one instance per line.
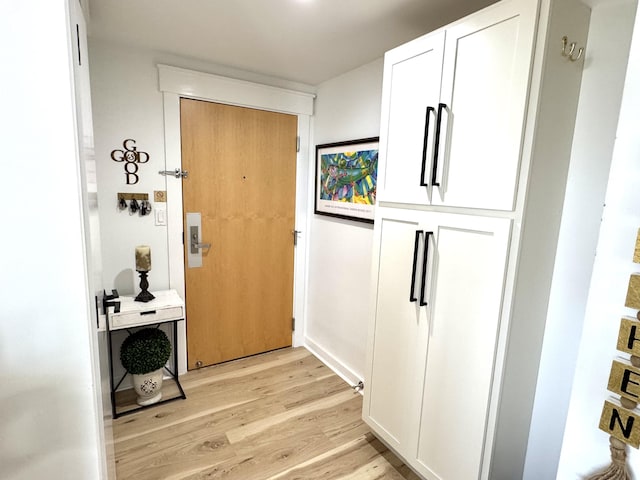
x=132, y=158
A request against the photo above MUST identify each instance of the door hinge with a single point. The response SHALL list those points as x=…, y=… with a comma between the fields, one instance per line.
x=298, y=143
x=293, y=324
x=295, y=237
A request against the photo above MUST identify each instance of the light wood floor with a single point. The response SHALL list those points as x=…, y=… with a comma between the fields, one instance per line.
x=281, y=415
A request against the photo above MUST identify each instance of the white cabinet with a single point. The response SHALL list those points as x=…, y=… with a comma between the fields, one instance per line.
x=84, y=125
x=87, y=165
x=438, y=298
x=453, y=110
x=475, y=142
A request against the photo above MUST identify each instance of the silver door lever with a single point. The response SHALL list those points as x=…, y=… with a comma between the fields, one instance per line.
x=195, y=245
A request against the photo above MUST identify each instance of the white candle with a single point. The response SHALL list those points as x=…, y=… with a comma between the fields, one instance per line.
x=143, y=258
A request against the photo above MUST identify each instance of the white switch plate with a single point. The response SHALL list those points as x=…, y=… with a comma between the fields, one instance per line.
x=161, y=215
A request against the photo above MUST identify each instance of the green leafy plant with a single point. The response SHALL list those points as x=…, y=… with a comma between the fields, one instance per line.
x=145, y=351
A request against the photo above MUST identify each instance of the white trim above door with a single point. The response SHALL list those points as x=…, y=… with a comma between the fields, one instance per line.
x=175, y=83
x=215, y=88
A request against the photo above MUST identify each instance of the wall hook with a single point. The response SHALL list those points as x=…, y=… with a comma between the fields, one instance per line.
x=134, y=206
x=572, y=48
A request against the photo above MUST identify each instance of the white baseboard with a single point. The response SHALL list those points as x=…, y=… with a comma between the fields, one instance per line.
x=332, y=362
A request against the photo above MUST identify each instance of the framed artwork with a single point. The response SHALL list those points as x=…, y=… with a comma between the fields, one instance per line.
x=346, y=178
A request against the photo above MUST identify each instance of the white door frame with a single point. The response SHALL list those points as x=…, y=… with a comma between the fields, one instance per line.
x=175, y=83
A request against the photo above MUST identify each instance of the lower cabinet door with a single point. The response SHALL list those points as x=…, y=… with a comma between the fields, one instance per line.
x=467, y=278
x=437, y=299
x=399, y=333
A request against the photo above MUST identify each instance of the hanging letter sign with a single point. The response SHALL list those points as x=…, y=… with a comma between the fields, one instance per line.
x=621, y=423
x=132, y=157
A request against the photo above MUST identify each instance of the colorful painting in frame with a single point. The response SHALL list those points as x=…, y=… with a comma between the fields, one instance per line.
x=346, y=178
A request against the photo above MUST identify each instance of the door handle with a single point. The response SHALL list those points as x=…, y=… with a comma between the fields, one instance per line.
x=436, y=146
x=178, y=173
x=195, y=244
x=412, y=295
x=425, y=144
x=193, y=241
x=423, y=302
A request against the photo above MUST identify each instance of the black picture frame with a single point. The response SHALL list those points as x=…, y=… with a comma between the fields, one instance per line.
x=346, y=179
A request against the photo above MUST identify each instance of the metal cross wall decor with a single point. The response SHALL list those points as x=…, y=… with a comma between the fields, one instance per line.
x=132, y=158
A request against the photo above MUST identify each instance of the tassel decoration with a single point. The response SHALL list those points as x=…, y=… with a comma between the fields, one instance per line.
x=618, y=469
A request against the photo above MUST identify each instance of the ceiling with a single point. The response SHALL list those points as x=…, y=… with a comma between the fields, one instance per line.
x=307, y=41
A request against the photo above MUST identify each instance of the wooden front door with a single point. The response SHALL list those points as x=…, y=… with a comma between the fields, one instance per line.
x=241, y=165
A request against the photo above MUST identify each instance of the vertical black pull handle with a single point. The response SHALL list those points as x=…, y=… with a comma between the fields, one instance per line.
x=78, y=40
x=424, y=268
x=430, y=110
x=436, y=146
x=412, y=295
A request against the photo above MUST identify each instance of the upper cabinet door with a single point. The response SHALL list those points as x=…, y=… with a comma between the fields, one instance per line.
x=482, y=108
x=453, y=111
x=411, y=90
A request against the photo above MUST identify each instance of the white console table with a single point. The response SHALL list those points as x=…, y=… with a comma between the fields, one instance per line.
x=125, y=314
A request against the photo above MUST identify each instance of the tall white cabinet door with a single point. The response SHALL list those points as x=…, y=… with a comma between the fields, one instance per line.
x=86, y=149
x=411, y=89
x=469, y=260
x=398, y=340
x=89, y=186
x=484, y=87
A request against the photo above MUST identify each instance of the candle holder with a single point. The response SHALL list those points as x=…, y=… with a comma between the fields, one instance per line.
x=145, y=295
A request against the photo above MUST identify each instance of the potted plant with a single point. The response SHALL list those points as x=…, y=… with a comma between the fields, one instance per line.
x=144, y=354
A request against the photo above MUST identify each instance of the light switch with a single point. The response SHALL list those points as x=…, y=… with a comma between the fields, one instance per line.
x=161, y=215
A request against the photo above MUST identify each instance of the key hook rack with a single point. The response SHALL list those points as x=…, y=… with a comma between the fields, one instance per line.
x=572, y=47
x=138, y=203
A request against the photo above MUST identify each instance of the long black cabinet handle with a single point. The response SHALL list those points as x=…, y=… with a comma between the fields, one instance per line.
x=412, y=295
x=425, y=144
x=436, y=146
x=424, y=268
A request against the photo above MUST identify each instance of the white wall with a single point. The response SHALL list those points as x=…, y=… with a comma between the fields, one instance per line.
x=49, y=417
x=596, y=120
x=347, y=108
x=586, y=448
x=128, y=104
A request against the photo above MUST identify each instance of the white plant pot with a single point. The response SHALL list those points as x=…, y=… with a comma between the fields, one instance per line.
x=148, y=387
